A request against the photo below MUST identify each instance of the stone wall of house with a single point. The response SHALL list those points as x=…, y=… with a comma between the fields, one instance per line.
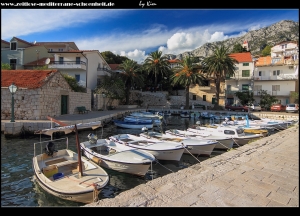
x=162, y=99
x=79, y=99
x=101, y=103
x=37, y=104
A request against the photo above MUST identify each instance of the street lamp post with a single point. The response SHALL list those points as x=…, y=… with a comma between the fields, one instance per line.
x=104, y=96
x=12, y=88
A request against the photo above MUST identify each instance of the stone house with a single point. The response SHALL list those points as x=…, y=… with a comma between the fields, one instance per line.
x=40, y=93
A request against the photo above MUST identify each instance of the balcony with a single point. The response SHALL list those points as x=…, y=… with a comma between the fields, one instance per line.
x=67, y=65
x=279, y=77
x=102, y=69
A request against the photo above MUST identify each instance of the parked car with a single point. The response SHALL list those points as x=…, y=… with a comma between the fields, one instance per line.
x=236, y=107
x=278, y=108
x=255, y=107
x=292, y=107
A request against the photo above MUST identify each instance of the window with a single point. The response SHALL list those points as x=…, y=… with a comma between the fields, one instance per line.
x=77, y=77
x=204, y=97
x=275, y=87
x=257, y=88
x=13, y=64
x=276, y=72
x=245, y=73
x=245, y=64
x=228, y=87
x=50, y=50
x=259, y=73
x=13, y=46
x=60, y=49
x=245, y=87
x=229, y=132
x=61, y=60
x=77, y=60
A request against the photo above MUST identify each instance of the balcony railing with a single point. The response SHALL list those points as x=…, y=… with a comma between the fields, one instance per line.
x=68, y=65
x=102, y=69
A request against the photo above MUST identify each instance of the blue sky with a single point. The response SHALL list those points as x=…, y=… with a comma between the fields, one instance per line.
x=137, y=32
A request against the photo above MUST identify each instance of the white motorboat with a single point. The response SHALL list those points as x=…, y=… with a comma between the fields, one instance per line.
x=161, y=150
x=223, y=142
x=263, y=123
x=64, y=173
x=116, y=156
x=132, y=125
x=237, y=134
x=192, y=145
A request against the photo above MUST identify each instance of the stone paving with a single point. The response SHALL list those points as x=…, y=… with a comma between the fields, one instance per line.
x=264, y=173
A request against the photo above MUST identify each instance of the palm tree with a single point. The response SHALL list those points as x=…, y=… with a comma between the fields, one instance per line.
x=131, y=76
x=218, y=66
x=157, y=64
x=188, y=72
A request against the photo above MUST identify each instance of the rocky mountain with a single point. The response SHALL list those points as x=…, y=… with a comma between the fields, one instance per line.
x=285, y=30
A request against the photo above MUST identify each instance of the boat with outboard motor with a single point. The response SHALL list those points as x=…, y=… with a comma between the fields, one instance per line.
x=116, y=156
x=63, y=172
x=193, y=146
x=162, y=150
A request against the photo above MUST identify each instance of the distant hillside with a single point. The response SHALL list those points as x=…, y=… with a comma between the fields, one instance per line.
x=285, y=30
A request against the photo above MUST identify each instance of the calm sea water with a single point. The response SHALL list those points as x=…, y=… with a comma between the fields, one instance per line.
x=18, y=189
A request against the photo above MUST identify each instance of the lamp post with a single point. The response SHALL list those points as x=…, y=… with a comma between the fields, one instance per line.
x=12, y=88
x=104, y=96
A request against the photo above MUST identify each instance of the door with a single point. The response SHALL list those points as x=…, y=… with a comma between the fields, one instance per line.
x=64, y=104
x=213, y=100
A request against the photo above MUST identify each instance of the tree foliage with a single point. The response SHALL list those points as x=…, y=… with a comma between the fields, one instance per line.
x=5, y=66
x=112, y=86
x=131, y=76
x=188, y=72
x=111, y=58
x=73, y=83
x=266, y=100
x=158, y=64
x=238, y=48
x=245, y=97
x=295, y=95
x=266, y=51
x=218, y=66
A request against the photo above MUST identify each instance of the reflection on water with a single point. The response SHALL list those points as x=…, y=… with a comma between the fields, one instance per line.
x=18, y=187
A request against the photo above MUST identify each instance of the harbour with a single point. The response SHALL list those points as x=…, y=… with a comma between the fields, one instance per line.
x=18, y=189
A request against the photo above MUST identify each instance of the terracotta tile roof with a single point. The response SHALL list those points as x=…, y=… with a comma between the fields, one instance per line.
x=30, y=79
x=3, y=41
x=263, y=61
x=114, y=66
x=41, y=62
x=242, y=57
x=174, y=60
x=72, y=44
x=67, y=51
x=24, y=41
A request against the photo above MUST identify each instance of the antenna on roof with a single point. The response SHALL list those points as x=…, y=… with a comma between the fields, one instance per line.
x=47, y=61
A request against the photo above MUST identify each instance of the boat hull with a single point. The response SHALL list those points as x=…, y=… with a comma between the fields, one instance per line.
x=139, y=169
x=133, y=125
x=200, y=149
x=170, y=155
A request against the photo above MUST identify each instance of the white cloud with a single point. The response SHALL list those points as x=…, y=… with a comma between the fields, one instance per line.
x=124, y=42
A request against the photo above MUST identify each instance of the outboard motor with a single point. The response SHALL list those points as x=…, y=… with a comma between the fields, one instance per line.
x=50, y=148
